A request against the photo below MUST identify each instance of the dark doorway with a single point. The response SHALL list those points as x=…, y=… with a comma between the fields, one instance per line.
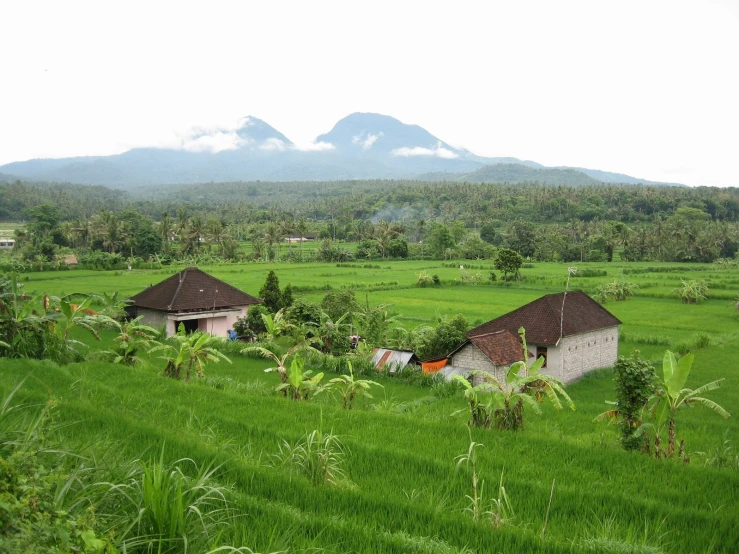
x=191, y=325
x=542, y=351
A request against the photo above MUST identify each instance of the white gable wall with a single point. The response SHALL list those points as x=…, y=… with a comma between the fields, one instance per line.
x=471, y=358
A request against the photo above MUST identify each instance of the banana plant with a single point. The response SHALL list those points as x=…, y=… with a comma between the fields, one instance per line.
x=348, y=387
x=301, y=384
x=194, y=351
x=132, y=336
x=275, y=325
x=672, y=396
x=281, y=361
x=522, y=386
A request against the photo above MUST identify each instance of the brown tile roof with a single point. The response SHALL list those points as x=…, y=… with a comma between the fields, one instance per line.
x=192, y=290
x=541, y=318
x=500, y=347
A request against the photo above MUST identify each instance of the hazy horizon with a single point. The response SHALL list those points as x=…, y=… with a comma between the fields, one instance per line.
x=644, y=89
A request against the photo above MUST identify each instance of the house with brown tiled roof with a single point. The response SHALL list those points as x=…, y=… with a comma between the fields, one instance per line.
x=570, y=330
x=194, y=298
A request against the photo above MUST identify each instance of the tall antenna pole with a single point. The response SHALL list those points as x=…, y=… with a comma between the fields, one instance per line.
x=570, y=272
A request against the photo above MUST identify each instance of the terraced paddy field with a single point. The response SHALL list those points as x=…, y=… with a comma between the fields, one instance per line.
x=571, y=487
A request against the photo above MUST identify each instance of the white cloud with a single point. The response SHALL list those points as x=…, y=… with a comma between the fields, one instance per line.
x=315, y=147
x=367, y=141
x=273, y=144
x=212, y=142
x=370, y=140
x=439, y=152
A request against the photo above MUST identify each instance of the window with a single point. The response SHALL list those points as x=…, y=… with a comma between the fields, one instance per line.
x=541, y=351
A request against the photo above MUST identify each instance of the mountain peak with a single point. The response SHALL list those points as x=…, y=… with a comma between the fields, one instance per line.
x=252, y=128
x=373, y=134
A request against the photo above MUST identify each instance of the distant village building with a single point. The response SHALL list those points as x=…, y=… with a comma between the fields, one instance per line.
x=70, y=260
x=194, y=298
x=295, y=237
x=571, y=331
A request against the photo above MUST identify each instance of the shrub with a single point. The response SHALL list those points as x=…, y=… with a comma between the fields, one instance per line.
x=616, y=291
x=425, y=280
x=319, y=457
x=691, y=291
x=635, y=383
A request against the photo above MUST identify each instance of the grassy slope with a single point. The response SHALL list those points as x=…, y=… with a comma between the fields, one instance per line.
x=408, y=496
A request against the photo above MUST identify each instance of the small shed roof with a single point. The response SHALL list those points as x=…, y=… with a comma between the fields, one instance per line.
x=394, y=359
x=192, y=290
x=543, y=318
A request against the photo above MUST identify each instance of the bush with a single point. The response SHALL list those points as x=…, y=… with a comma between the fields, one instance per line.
x=425, y=280
x=616, y=291
x=635, y=383
x=692, y=291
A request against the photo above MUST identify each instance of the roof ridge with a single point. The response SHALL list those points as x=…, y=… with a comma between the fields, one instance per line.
x=489, y=333
x=177, y=290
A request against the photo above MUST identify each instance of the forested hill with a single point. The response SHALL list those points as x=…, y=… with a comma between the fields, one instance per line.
x=519, y=173
x=392, y=200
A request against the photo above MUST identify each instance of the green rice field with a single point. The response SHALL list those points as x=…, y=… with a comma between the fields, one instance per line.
x=571, y=486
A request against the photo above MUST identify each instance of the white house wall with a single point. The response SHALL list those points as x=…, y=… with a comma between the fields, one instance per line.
x=587, y=351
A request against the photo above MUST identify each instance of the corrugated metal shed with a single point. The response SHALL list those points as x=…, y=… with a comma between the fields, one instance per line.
x=394, y=360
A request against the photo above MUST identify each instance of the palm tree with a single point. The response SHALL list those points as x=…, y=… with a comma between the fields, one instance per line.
x=272, y=235
x=302, y=229
x=165, y=230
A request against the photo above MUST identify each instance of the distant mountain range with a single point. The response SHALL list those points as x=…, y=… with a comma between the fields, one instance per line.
x=360, y=146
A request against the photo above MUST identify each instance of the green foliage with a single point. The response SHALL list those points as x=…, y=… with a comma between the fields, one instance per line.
x=192, y=352
x=337, y=303
x=616, y=290
x=348, y=387
x=671, y=396
x=270, y=292
x=500, y=402
x=300, y=384
x=303, y=312
x=133, y=336
x=439, y=341
x=424, y=280
x=691, y=291
x=489, y=235
x=508, y=262
x=635, y=384
x=319, y=457
x=254, y=321
x=397, y=248
x=287, y=297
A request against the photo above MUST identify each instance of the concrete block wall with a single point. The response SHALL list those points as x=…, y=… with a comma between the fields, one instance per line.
x=587, y=351
x=471, y=358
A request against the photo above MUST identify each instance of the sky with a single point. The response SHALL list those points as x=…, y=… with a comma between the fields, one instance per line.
x=646, y=88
